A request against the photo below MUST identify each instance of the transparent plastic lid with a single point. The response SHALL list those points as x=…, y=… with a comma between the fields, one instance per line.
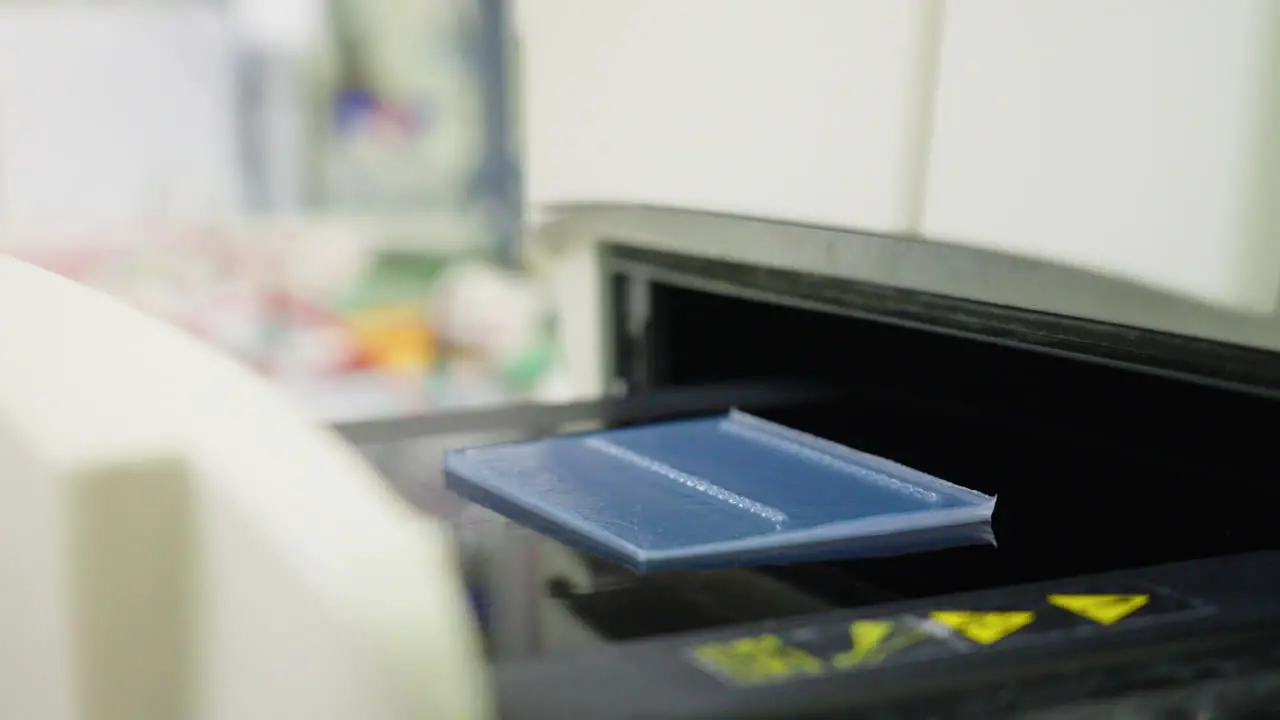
x=725, y=491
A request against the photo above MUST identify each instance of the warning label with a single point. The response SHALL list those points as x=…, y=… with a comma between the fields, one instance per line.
x=1069, y=614
x=1039, y=618
x=817, y=650
x=1092, y=609
x=1102, y=609
x=984, y=628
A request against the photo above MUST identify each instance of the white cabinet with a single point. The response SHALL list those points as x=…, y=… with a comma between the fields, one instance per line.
x=806, y=110
x=1140, y=138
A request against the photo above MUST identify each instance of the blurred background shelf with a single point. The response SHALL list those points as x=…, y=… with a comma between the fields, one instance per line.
x=325, y=189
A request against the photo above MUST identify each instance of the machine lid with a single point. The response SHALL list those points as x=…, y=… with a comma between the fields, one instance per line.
x=722, y=491
x=909, y=264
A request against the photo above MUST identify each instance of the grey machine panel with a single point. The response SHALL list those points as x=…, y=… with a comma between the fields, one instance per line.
x=909, y=264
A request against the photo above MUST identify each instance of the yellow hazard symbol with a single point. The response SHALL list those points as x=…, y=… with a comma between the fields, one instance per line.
x=874, y=640
x=985, y=628
x=1102, y=609
x=758, y=660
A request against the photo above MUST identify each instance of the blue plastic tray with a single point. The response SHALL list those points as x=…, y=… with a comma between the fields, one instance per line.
x=718, y=492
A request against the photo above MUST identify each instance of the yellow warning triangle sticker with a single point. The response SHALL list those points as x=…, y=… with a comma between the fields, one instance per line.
x=1102, y=609
x=984, y=628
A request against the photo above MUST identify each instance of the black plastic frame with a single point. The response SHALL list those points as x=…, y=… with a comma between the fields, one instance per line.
x=1224, y=661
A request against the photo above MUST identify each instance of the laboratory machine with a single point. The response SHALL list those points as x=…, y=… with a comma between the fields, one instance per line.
x=1026, y=248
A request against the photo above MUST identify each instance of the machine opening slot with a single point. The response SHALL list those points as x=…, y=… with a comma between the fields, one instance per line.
x=1096, y=467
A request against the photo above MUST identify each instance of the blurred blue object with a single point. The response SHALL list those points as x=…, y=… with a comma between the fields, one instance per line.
x=716, y=492
x=352, y=107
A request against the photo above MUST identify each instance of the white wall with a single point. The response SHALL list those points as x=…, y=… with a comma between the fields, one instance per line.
x=806, y=110
x=1128, y=137
x=1136, y=137
x=109, y=114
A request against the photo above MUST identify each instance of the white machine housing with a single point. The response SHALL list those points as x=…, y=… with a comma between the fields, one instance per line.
x=179, y=542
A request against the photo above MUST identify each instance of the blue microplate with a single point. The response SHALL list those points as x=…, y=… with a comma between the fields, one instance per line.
x=718, y=492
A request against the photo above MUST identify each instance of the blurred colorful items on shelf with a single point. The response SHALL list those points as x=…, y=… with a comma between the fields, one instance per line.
x=394, y=339
x=357, y=111
x=328, y=309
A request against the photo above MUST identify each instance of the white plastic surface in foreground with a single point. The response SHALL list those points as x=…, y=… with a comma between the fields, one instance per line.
x=1138, y=138
x=176, y=541
x=808, y=110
